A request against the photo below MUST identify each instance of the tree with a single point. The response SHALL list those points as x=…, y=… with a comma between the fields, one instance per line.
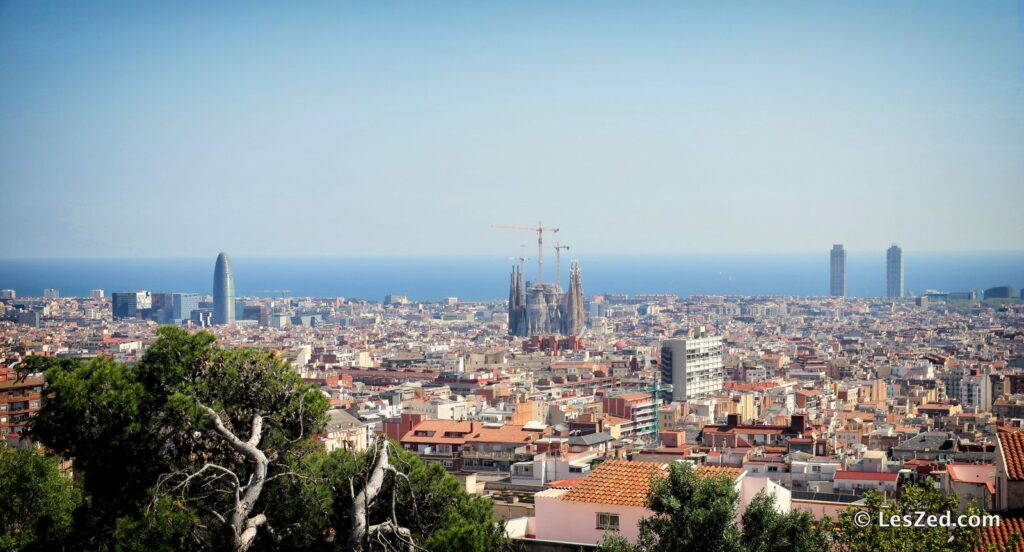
x=691, y=512
x=201, y=447
x=765, y=529
x=873, y=537
x=39, y=500
x=694, y=512
x=332, y=492
x=166, y=427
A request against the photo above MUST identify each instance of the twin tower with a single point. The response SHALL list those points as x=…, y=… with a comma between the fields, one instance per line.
x=544, y=309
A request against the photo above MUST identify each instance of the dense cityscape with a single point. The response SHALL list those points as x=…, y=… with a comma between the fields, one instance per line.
x=557, y=276
x=538, y=401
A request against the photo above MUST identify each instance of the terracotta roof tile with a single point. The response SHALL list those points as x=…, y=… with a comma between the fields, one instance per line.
x=628, y=483
x=617, y=482
x=997, y=538
x=1012, y=445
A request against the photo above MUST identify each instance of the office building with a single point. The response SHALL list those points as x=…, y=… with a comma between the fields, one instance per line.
x=130, y=304
x=182, y=306
x=29, y=318
x=223, y=292
x=894, y=272
x=259, y=312
x=1000, y=292
x=8, y=294
x=96, y=294
x=202, y=317
x=692, y=365
x=51, y=293
x=162, y=307
x=837, y=274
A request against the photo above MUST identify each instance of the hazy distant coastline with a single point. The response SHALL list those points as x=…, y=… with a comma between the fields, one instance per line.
x=486, y=278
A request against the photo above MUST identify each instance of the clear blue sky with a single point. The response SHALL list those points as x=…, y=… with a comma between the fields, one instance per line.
x=169, y=129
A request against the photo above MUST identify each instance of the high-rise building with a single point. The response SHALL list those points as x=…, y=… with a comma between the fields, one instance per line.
x=837, y=274
x=51, y=293
x=8, y=294
x=258, y=312
x=693, y=365
x=130, y=304
x=894, y=272
x=96, y=294
x=182, y=306
x=162, y=308
x=1000, y=292
x=223, y=292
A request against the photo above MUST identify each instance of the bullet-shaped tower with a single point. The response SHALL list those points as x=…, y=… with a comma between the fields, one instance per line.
x=223, y=292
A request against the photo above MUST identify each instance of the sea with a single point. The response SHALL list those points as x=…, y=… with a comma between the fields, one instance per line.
x=482, y=278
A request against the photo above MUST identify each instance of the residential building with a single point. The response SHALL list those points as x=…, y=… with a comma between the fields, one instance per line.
x=837, y=273
x=692, y=365
x=894, y=272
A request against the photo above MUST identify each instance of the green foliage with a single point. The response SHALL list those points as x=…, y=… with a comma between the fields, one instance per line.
x=317, y=503
x=134, y=433
x=126, y=426
x=691, y=512
x=694, y=512
x=38, y=500
x=767, y=530
x=914, y=498
x=166, y=525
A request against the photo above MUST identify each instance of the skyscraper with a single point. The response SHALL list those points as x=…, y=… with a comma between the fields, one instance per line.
x=130, y=304
x=837, y=276
x=182, y=306
x=223, y=292
x=894, y=272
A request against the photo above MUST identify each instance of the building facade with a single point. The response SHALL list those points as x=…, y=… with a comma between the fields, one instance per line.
x=894, y=272
x=223, y=292
x=693, y=365
x=837, y=273
x=130, y=304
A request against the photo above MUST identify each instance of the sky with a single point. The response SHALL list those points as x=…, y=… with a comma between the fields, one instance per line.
x=180, y=129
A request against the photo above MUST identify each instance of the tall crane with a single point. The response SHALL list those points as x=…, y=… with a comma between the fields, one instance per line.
x=521, y=261
x=540, y=229
x=558, y=262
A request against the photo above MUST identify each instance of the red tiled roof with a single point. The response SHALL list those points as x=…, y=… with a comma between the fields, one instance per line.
x=565, y=483
x=617, y=482
x=997, y=538
x=628, y=483
x=1012, y=445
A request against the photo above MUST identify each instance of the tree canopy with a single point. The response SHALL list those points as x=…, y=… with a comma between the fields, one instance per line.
x=38, y=500
x=201, y=447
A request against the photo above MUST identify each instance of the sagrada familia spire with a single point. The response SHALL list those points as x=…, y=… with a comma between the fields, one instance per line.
x=545, y=309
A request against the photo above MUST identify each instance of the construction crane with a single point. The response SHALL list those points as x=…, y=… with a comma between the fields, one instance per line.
x=540, y=229
x=521, y=261
x=558, y=262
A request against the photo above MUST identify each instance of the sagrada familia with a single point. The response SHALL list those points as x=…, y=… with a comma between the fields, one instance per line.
x=545, y=309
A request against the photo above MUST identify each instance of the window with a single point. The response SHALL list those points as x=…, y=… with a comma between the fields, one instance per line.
x=608, y=522
x=773, y=468
x=816, y=469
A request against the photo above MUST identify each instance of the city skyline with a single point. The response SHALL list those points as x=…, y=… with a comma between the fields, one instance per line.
x=351, y=111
